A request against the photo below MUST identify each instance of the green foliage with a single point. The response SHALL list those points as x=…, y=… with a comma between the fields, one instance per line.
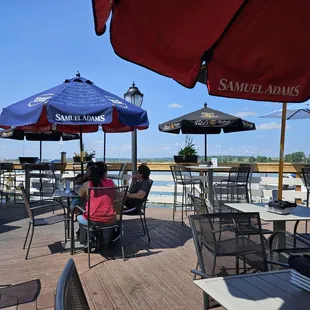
x=189, y=148
x=296, y=157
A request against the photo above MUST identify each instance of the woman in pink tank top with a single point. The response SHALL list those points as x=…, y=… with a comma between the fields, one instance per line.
x=101, y=207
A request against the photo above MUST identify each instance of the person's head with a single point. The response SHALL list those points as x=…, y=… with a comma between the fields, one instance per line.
x=103, y=168
x=143, y=172
x=95, y=175
x=89, y=165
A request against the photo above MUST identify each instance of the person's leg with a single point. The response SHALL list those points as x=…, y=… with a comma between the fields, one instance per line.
x=132, y=206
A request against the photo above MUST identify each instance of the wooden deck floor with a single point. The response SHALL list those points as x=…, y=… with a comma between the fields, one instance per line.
x=154, y=276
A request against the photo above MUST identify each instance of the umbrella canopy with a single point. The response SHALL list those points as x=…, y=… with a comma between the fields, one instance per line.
x=294, y=111
x=16, y=134
x=206, y=121
x=75, y=106
x=255, y=50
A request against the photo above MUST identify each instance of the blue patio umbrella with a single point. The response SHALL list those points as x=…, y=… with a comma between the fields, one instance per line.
x=294, y=111
x=75, y=106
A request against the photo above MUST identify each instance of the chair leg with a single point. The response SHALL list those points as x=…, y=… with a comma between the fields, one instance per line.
x=88, y=248
x=142, y=223
x=66, y=226
x=27, y=236
x=182, y=216
x=30, y=241
x=175, y=193
x=122, y=242
x=146, y=228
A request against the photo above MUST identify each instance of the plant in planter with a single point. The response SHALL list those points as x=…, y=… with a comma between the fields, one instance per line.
x=188, y=154
x=87, y=156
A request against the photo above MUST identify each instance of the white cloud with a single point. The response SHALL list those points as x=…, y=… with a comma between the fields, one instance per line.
x=270, y=126
x=245, y=113
x=174, y=105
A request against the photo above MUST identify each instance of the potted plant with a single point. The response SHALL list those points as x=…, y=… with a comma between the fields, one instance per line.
x=87, y=157
x=188, y=154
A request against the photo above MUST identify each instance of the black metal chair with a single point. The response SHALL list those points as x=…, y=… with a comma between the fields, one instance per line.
x=182, y=176
x=201, y=205
x=306, y=177
x=236, y=187
x=285, y=244
x=69, y=292
x=120, y=176
x=230, y=249
x=7, y=181
x=118, y=195
x=142, y=210
x=33, y=222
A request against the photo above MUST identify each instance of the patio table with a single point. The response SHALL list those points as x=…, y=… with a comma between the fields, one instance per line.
x=260, y=291
x=210, y=171
x=68, y=195
x=279, y=220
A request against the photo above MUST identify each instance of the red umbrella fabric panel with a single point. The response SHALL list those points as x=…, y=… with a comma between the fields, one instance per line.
x=254, y=50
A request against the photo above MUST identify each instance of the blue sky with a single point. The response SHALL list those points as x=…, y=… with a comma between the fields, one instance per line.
x=45, y=42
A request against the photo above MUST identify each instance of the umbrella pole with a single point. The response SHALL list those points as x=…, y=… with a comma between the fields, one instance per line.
x=40, y=150
x=81, y=151
x=205, y=147
x=281, y=157
x=104, y=145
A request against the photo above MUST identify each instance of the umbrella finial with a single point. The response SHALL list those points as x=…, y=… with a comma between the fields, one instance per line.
x=78, y=73
x=133, y=84
x=205, y=104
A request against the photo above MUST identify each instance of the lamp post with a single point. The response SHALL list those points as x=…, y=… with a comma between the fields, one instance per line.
x=134, y=96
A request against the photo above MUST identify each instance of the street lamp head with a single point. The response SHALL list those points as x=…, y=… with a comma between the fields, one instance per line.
x=134, y=95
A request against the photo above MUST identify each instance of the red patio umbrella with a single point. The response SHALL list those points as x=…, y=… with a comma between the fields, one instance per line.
x=253, y=49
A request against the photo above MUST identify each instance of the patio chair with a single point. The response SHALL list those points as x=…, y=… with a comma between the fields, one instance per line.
x=69, y=292
x=33, y=222
x=182, y=176
x=236, y=187
x=225, y=250
x=118, y=195
x=285, y=244
x=306, y=177
x=142, y=210
x=120, y=176
x=201, y=205
x=7, y=181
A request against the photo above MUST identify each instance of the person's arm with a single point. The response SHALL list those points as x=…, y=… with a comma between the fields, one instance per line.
x=142, y=191
x=139, y=195
x=83, y=191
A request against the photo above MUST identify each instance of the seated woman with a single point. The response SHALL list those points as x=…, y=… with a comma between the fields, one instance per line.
x=138, y=190
x=101, y=209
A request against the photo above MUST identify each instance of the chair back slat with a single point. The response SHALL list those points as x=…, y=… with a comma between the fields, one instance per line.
x=122, y=170
x=69, y=292
x=27, y=203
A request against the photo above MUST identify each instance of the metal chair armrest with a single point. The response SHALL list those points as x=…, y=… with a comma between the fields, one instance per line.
x=278, y=264
x=200, y=274
x=42, y=206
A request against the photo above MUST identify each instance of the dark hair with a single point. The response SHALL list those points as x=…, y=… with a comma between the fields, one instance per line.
x=102, y=167
x=90, y=164
x=95, y=176
x=145, y=171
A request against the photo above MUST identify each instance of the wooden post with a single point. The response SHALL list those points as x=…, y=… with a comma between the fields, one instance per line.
x=281, y=157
